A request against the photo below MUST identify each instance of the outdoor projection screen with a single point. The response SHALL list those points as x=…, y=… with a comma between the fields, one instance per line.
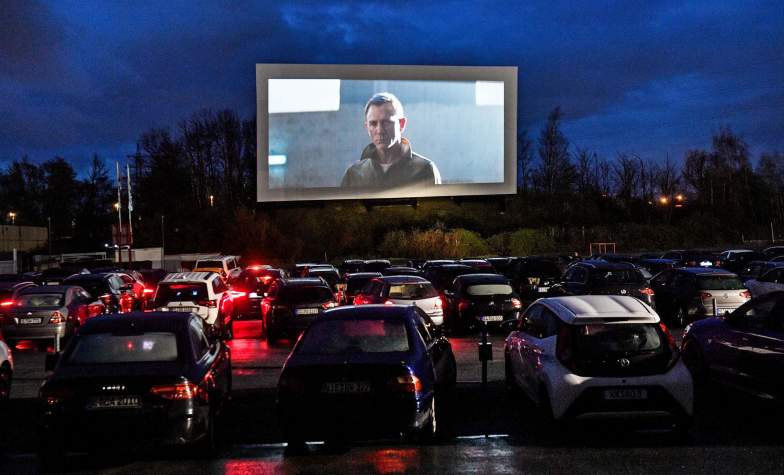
x=311, y=130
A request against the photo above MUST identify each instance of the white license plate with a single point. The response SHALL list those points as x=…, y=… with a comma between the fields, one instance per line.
x=307, y=311
x=346, y=388
x=625, y=394
x=542, y=290
x=491, y=318
x=114, y=402
x=29, y=320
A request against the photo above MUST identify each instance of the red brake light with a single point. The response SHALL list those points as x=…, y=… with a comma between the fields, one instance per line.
x=329, y=304
x=705, y=295
x=407, y=383
x=6, y=303
x=463, y=305
x=389, y=302
x=180, y=391
x=439, y=303
x=149, y=291
x=646, y=291
x=207, y=303
x=745, y=294
x=670, y=338
x=57, y=317
x=516, y=303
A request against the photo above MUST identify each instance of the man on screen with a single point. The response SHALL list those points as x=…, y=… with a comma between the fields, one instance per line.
x=389, y=161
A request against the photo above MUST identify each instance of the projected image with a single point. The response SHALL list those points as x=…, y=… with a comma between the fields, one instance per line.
x=354, y=138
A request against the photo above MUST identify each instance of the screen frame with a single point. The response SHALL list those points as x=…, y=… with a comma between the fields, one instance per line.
x=266, y=71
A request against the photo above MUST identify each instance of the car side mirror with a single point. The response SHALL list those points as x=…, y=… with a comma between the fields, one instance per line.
x=51, y=361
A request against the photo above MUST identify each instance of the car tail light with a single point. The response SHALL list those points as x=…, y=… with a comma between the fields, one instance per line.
x=207, y=303
x=147, y=291
x=463, y=305
x=745, y=294
x=407, y=383
x=359, y=300
x=389, y=302
x=329, y=304
x=106, y=299
x=6, y=303
x=516, y=303
x=57, y=317
x=53, y=397
x=126, y=303
x=705, y=295
x=647, y=291
x=180, y=391
x=291, y=383
x=439, y=303
x=237, y=294
x=563, y=347
x=671, y=343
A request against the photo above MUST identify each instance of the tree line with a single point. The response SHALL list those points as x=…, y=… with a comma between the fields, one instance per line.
x=196, y=184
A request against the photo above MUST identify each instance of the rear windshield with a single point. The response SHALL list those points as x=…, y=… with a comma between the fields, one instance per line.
x=624, y=276
x=602, y=339
x=101, y=348
x=95, y=288
x=329, y=337
x=304, y=294
x=489, y=289
x=422, y=290
x=40, y=300
x=180, y=293
x=719, y=282
x=355, y=284
x=209, y=265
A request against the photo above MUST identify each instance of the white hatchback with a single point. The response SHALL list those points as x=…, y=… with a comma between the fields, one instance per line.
x=203, y=293
x=6, y=371
x=598, y=356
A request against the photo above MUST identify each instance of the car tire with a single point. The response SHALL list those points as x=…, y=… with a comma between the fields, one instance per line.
x=6, y=375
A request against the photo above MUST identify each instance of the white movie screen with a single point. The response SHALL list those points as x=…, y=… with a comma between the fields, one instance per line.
x=375, y=132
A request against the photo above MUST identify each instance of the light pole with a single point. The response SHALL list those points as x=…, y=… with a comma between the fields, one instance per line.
x=163, y=243
x=49, y=233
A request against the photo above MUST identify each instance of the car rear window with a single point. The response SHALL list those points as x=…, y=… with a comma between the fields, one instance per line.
x=304, y=294
x=103, y=348
x=423, y=290
x=329, y=337
x=719, y=282
x=209, y=265
x=596, y=340
x=95, y=288
x=489, y=289
x=40, y=300
x=624, y=276
x=180, y=293
x=355, y=284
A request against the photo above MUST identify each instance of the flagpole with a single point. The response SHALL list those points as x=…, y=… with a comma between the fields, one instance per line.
x=119, y=212
x=130, y=209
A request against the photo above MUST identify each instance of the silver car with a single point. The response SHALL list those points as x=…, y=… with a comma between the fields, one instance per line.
x=403, y=290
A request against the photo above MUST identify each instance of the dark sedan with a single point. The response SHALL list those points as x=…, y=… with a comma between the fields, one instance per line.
x=150, y=378
x=744, y=349
x=249, y=288
x=605, y=278
x=352, y=285
x=49, y=313
x=476, y=298
x=292, y=304
x=107, y=287
x=374, y=370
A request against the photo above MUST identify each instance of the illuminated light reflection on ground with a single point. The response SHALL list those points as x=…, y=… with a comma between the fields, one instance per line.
x=393, y=460
x=247, y=467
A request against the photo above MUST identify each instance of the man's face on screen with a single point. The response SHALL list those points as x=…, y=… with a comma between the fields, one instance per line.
x=384, y=126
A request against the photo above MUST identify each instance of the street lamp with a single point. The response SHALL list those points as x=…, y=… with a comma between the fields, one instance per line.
x=12, y=216
x=212, y=200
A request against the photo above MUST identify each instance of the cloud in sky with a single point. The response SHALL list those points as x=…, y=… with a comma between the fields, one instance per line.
x=652, y=77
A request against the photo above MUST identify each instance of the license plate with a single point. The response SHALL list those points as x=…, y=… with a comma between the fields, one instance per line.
x=114, y=402
x=29, y=320
x=542, y=290
x=491, y=318
x=307, y=311
x=625, y=394
x=346, y=388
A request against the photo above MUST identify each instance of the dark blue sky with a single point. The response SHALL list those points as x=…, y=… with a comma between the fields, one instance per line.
x=655, y=78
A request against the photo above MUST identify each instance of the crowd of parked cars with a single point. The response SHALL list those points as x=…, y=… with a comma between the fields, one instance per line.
x=587, y=338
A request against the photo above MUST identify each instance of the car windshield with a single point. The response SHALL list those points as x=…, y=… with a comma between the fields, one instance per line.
x=180, y=293
x=719, y=282
x=94, y=287
x=209, y=265
x=329, y=337
x=489, y=289
x=102, y=348
x=305, y=294
x=622, y=276
x=420, y=290
x=40, y=300
x=603, y=339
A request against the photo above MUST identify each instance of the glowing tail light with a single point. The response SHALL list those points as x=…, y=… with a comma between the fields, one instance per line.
x=329, y=304
x=463, y=305
x=389, y=302
x=6, y=303
x=516, y=303
x=646, y=291
x=705, y=295
x=407, y=383
x=670, y=338
x=106, y=299
x=208, y=303
x=57, y=317
x=439, y=303
x=149, y=291
x=745, y=294
x=179, y=391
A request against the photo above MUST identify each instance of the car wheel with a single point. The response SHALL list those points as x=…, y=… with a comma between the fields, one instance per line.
x=5, y=383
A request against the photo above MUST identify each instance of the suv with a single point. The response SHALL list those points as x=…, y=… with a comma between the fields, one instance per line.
x=690, y=293
x=226, y=266
x=292, y=304
x=593, y=356
x=603, y=278
x=109, y=288
x=203, y=293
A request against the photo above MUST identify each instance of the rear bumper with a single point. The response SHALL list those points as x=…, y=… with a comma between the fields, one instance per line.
x=47, y=332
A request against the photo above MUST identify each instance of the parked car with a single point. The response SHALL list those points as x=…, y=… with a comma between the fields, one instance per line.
x=598, y=356
x=771, y=281
x=365, y=371
x=656, y=265
x=9, y=289
x=533, y=277
x=6, y=372
x=743, y=349
x=375, y=265
x=329, y=274
x=441, y=276
x=292, y=304
x=350, y=266
x=772, y=251
x=203, y=293
x=693, y=258
x=605, y=278
x=501, y=264
x=49, y=313
x=754, y=269
x=250, y=287
x=690, y=293
x=401, y=270
x=353, y=284
x=479, y=265
x=475, y=298
x=150, y=378
x=54, y=275
x=403, y=290
x=227, y=266
x=109, y=288
x=735, y=260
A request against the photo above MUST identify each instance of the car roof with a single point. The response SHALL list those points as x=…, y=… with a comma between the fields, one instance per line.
x=74, y=277
x=188, y=277
x=363, y=275
x=579, y=309
x=136, y=322
x=482, y=278
x=373, y=311
x=46, y=289
x=403, y=279
x=606, y=265
x=305, y=281
x=706, y=271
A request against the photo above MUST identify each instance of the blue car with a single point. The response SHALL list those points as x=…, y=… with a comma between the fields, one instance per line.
x=744, y=349
x=365, y=371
